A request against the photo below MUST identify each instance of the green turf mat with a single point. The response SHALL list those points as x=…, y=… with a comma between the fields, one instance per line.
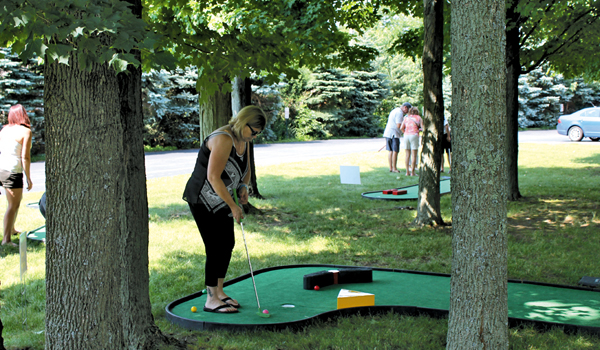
x=39, y=234
x=281, y=288
x=412, y=192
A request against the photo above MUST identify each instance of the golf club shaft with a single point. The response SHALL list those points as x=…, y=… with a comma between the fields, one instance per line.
x=250, y=264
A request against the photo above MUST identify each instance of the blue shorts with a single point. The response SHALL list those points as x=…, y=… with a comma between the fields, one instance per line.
x=392, y=144
x=8, y=179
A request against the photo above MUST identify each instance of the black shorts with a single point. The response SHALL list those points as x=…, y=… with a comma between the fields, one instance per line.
x=8, y=179
x=393, y=144
x=446, y=145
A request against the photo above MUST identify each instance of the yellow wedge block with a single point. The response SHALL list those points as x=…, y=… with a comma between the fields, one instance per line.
x=351, y=298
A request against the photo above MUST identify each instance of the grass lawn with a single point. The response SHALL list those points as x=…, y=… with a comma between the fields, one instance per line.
x=309, y=217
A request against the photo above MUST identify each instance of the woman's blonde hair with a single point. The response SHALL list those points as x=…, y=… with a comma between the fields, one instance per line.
x=413, y=111
x=249, y=115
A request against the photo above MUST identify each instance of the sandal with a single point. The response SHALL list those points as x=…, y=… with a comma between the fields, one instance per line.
x=216, y=310
x=225, y=300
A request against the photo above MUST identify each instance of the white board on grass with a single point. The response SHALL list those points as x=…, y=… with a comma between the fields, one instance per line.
x=23, y=253
x=350, y=174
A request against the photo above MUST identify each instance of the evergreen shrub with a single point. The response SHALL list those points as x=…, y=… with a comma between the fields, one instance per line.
x=23, y=83
x=171, y=108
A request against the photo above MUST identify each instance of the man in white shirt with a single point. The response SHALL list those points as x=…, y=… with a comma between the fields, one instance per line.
x=392, y=134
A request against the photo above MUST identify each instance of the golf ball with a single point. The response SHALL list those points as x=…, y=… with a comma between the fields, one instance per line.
x=194, y=309
x=317, y=288
x=265, y=311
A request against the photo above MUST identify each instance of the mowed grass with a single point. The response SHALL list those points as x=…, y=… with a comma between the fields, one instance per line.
x=309, y=217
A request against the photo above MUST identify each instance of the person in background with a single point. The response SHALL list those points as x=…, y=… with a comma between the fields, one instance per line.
x=222, y=166
x=446, y=145
x=392, y=134
x=15, y=159
x=42, y=205
x=411, y=126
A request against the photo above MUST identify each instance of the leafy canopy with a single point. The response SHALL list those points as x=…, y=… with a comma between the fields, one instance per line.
x=240, y=37
x=100, y=31
x=222, y=38
x=562, y=34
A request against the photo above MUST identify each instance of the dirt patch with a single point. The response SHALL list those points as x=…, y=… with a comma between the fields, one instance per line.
x=551, y=215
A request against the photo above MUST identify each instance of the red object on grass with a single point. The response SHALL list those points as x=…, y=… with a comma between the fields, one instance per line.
x=399, y=192
x=394, y=192
x=317, y=288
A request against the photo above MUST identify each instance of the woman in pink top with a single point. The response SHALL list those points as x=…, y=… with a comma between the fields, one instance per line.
x=411, y=125
x=15, y=159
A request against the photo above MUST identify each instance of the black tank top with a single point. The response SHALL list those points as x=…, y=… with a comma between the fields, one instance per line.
x=199, y=190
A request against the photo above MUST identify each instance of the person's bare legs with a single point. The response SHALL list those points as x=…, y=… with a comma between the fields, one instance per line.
x=449, y=161
x=407, y=162
x=442, y=163
x=13, y=197
x=214, y=296
x=221, y=294
x=393, y=161
x=413, y=162
x=14, y=230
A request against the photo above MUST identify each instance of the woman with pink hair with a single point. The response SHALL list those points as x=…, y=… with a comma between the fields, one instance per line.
x=15, y=159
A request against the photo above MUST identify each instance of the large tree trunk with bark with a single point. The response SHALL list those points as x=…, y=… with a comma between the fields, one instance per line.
x=513, y=71
x=1, y=339
x=97, y=282
x=214, y=113
x=242, y=97
x=428, y=209
x=478, y=316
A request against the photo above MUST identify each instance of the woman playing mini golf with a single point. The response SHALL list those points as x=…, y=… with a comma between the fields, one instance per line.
x=222, y=166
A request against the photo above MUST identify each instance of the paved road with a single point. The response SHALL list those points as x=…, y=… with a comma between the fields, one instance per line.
x=161, y=164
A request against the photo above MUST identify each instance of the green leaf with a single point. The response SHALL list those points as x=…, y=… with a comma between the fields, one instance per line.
x=118, y=63
x=77, y=32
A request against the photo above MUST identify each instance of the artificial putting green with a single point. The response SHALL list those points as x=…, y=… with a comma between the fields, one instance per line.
x=39, y=234
x=412, y=192
x=281, y=288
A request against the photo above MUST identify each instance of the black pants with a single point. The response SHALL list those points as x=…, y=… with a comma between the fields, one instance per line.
x=217, y=233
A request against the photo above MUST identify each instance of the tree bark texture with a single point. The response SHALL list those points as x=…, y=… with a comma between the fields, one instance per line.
x=1, y=339
x=478, y=316
x=97, y=282
x=214, y=113
x=513, y=71
x=242, y=97
x=428, y=209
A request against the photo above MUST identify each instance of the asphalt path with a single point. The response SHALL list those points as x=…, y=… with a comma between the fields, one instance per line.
x=162, y=164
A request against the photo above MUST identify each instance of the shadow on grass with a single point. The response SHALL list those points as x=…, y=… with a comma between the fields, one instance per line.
x=595, y=159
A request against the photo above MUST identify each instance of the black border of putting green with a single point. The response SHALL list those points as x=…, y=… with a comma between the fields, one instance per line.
x=368, y=310
x=399, y=198
x=35, y=238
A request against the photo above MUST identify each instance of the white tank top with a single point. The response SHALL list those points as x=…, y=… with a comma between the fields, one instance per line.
x=10, y=155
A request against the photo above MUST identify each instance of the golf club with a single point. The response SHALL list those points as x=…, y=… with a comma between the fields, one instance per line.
x=260, y=312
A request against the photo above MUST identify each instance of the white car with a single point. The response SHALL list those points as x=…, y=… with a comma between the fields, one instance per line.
x=583, y=123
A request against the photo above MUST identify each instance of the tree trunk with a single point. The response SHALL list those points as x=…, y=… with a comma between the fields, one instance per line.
x=513, y=70
x=242, y=97
x=428, y=209
x=214, y=113
x=478, y=316
x=97, y=282
x=1, y=339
